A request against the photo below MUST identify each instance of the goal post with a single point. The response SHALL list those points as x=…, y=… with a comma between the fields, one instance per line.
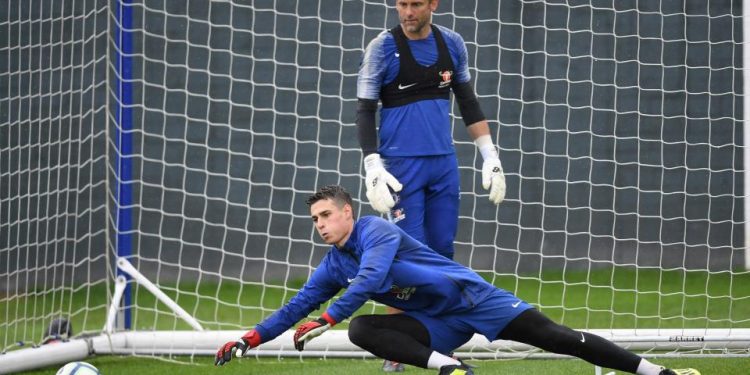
x=746, y=113
x=155, y=157
x=121, y=104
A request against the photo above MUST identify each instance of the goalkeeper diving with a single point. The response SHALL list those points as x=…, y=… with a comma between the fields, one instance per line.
x=444, y=303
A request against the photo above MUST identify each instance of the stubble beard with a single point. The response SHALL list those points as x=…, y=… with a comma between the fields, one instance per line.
x=415, y=28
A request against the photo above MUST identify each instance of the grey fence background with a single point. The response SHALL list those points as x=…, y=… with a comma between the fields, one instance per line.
x=619, y=126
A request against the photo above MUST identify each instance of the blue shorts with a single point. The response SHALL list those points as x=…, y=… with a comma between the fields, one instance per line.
x=488, y=318
x=427, y=207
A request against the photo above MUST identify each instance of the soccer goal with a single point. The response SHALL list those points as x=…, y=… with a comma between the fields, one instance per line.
x=155, y=157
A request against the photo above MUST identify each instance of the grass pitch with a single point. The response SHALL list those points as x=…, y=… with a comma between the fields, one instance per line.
x=112, y=365
x=608, y=298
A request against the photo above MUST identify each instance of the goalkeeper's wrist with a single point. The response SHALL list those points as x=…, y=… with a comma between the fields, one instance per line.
x=373, y=161
x=486, y=147
x=325, y=318
x=251, y=338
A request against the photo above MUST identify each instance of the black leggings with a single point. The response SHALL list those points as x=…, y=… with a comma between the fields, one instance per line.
x=533, y=328
x=397, y=337
x=404, y=339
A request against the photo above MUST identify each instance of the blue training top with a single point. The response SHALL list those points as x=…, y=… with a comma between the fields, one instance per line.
x=383, y=263
x=420, y=128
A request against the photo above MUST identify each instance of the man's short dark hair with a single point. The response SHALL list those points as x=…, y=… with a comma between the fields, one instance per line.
x=335, y=193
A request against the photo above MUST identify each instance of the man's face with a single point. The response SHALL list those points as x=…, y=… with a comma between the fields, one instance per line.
x=415, y=15
x=334, y=223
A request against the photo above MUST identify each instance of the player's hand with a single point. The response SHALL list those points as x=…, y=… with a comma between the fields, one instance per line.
x=493, y=179
x=250, y=340
x=377, y=181
x=307, y=331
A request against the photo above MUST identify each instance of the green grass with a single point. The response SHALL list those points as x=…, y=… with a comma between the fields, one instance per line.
x=608, y=298
x=113, y=365
x=628, y=298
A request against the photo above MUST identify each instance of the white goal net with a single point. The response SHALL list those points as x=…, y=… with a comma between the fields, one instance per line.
x=185, y=137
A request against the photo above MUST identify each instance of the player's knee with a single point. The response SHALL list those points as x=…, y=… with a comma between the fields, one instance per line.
x=358, y=331
x=442, y=244
x=445, y=250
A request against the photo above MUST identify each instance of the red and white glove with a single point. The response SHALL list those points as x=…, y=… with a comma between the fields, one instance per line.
x=493, y=177
x=250, y=340
x=377, y=182
x=307, y=331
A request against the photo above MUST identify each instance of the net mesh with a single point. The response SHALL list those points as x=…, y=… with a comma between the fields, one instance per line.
x=619, y=129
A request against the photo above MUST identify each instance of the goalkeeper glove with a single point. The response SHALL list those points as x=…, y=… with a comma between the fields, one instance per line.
x=377, y=181
x=493, y=177
x=250, y=340
x=307, y=331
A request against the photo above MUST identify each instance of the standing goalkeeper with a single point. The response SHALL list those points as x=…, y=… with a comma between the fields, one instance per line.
x=411, y=69
x=444, y=303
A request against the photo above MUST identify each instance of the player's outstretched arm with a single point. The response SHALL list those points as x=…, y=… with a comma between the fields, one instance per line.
x=249, y=340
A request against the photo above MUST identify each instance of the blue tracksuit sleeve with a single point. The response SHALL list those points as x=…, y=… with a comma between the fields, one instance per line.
x=379, y=242
x=460, y=57
x=319, y=288
x=372, y=69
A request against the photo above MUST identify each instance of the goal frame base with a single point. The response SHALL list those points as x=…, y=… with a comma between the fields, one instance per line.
x=336, y=344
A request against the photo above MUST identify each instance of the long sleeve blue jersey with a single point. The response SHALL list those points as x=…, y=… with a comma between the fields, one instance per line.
x=381, y=262
x=421, y=128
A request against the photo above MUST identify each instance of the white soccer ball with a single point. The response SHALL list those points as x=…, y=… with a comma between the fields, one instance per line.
x=78, y=368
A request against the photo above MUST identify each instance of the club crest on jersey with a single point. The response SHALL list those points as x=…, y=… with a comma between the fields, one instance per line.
x=403, y=293
x=397, y=215
x=446, y=78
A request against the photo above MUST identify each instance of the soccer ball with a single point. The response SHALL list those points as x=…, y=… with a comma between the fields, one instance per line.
x=78, y=368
